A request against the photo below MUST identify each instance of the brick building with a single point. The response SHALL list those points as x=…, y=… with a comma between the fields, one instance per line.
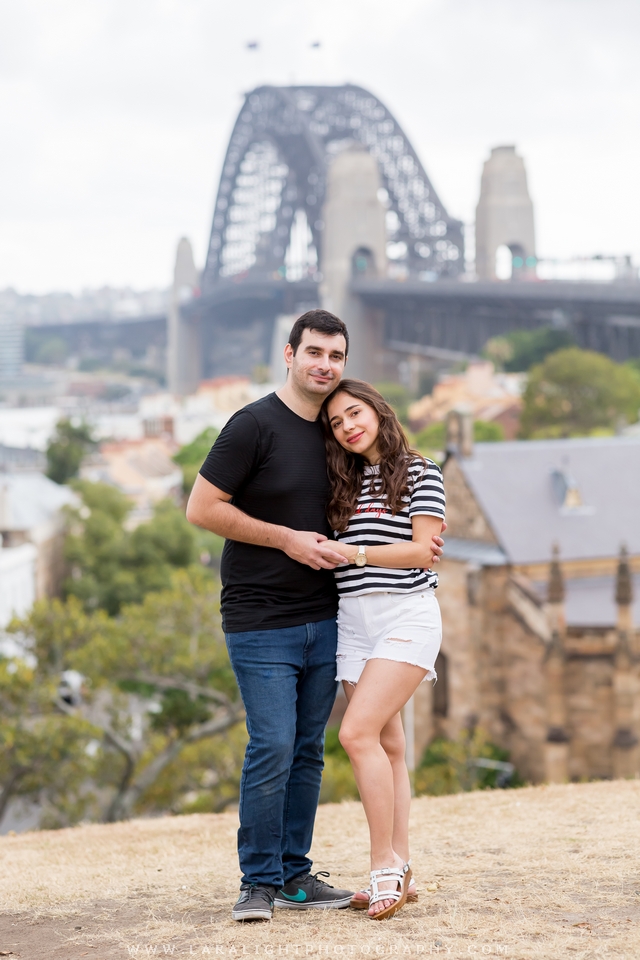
x=542, y=563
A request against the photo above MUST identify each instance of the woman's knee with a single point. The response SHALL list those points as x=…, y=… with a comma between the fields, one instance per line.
x=351, y=737
x=346, y=736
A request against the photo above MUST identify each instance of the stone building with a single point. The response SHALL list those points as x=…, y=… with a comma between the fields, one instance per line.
x=537, y=587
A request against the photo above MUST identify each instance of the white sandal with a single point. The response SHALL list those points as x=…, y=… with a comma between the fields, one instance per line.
x=402, y=876
x=362, y=903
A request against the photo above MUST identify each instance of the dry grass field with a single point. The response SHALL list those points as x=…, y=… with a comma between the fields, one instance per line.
x=545, y=872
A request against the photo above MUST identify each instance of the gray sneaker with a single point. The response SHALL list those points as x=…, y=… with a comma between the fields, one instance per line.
x=254, y=903
x=308, y=892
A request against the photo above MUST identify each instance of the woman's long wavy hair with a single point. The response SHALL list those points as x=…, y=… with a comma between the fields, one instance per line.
x=346, y=470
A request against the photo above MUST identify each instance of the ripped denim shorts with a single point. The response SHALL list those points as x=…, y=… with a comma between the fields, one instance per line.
x=405, y=627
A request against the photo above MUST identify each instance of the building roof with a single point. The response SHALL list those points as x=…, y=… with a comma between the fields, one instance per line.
x=591, y=602
x=474, y=551
x=582, y=493
x=30, y=500
x=480, y=390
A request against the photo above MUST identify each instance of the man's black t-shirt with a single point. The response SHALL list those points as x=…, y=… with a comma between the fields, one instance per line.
x=273, y=464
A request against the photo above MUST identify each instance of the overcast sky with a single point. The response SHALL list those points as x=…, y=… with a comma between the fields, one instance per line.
x=115, y=115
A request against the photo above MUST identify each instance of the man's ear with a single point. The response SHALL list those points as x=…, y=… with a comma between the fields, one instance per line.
x=288, y=355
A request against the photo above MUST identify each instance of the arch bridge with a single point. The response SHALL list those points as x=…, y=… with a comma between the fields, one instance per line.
x=323, y=200
x=274, y=181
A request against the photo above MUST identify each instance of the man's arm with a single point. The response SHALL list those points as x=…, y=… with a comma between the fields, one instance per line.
x=209, y=507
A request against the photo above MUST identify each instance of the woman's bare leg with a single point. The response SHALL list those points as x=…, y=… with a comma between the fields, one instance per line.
x=383, y=689
x=394, y=745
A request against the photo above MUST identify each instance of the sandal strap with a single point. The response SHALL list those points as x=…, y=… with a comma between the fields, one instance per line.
x=367, y=890
x=386, y=873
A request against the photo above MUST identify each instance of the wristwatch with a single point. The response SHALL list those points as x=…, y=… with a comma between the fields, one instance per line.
x=360, y=558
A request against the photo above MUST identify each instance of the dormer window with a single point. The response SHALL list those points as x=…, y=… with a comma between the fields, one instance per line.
x=567, y=493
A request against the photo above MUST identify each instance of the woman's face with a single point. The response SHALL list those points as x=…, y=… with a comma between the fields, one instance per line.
x=355, y=425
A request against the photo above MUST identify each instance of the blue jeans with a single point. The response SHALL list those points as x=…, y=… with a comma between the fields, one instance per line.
x=287, y=683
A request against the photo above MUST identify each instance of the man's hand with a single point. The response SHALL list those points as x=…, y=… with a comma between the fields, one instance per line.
x=437, y=545
x=313, y=549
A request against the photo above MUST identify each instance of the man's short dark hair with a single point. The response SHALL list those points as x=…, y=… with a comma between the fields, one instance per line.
x=323, y=322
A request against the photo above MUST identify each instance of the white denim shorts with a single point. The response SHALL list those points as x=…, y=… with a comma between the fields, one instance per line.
x=405, y=627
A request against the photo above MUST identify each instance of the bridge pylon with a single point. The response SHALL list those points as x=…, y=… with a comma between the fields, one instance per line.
x=184, y=349
x=504, y=216
x=354, y=246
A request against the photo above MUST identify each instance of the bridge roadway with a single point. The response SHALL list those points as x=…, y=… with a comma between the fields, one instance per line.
x=443, y=320
x=454, y=317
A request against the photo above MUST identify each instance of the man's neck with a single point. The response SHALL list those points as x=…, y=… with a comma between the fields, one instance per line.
x=306, y=407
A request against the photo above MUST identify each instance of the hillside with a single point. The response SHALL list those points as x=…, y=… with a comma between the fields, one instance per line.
x=543, y=872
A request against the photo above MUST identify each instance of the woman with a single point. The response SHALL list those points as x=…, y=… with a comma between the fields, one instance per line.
x=387, y=503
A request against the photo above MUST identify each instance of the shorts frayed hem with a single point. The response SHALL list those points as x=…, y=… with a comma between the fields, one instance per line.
x=430, y=674
x=348, y=680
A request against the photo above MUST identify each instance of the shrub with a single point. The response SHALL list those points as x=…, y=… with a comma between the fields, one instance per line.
x=448, y=765
x=338, y=782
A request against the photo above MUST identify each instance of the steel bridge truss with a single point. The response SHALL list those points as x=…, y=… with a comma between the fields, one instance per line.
x=272, y=187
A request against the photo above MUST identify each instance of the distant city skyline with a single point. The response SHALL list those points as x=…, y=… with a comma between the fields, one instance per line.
x=116, y=116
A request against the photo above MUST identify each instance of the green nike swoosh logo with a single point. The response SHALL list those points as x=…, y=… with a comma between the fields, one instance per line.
x=299, y=896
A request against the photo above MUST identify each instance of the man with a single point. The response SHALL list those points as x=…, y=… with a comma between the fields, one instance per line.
x=264, y=488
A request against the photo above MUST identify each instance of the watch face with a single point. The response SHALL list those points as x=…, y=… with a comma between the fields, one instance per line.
x=361, y=560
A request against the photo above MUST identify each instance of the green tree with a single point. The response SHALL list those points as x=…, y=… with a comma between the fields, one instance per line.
x=576, y=392
x=110, y=565
x=431, y=437
x=67, y=449
x=487, y=431
x=44, y=755
x=634, y=365
x=204, y=778
x=519, y=350
x=398, y=397
x=156, y=680
x=192, y=456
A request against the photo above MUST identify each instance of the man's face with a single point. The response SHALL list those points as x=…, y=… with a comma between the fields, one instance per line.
x=318, y=364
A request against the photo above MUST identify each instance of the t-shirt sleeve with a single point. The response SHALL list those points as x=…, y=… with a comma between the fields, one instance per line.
x=428, y=493
x=234, y=455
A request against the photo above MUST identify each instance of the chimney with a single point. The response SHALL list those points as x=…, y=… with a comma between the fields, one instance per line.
x=555, y=586
x=556, y=751
x=624, y=593
x=459, y=432
x=625, y=743
x=624, y=586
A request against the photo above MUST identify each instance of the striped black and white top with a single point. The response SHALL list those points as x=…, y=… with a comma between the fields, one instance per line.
x=373, y=525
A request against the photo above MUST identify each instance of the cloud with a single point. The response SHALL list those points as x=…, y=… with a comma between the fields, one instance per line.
x=116, y=114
